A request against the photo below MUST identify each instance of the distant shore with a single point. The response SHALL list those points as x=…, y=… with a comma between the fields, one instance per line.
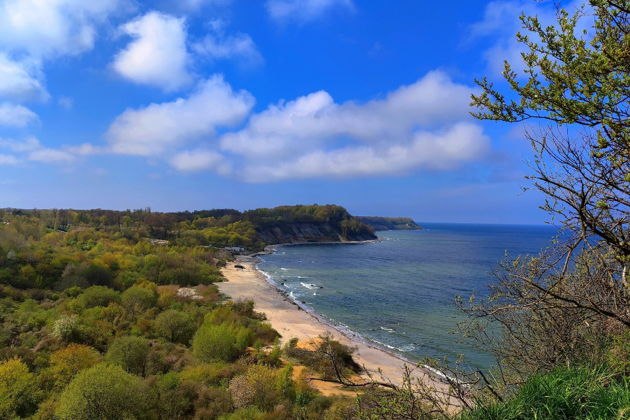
x=292, y=321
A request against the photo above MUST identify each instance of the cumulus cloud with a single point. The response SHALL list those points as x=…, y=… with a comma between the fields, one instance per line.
x=157, y=55
x=158, y=128
x=31, y=149
x=217, y=45
x=16, y=115
x=18, y=80
x=304, y=10
x=419, y=126
x=446, y=150
x=8, y=160
x=198, y=160
x=308, y=121
x=52, y=27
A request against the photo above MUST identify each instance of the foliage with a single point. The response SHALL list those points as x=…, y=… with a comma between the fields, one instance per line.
x=17, y=389
x=130, y=353
x=68, y=361
x=175, y=326
x=223, y=342
x=104, y=392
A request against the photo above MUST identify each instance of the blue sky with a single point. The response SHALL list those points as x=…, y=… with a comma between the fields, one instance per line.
x=243, y=104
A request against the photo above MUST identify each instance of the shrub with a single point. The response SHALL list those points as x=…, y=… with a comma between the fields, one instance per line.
x=211, y=374
x=67, y=328
x=259, y=387
x=17, y=390
x=67, y=362
x=98, y=296
x=222, y=342
x=130, y=353
x=101, y=392
x=175, y=326
x=138, y=299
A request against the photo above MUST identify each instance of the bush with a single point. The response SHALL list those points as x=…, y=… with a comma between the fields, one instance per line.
x=138, y=299
x=67, y=328
x=102, y=392
x=259, y=387
x=98, y=296
x=130, y=353
x=175, y=326
x=67, y=362
x=211, y=374
x=17, y=390
x=222, y=342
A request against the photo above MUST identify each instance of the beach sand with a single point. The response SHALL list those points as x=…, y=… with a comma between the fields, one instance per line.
x=291, y=321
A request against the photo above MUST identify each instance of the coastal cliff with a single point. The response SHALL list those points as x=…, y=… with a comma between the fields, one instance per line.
x=293, y=224
x=389, y=223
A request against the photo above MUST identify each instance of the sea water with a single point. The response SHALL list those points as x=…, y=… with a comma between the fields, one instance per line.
x=399, y=293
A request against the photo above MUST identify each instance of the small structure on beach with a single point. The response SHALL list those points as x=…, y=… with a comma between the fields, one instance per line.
x=240, y=267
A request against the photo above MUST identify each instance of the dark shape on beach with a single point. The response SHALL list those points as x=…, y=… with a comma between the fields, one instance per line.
x=240, y=267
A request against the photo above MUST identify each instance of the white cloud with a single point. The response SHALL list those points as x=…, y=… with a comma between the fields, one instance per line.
x=304, y=10
x=424, y=125
x=8, y=160
x=31, y=149
x=463, y=142
x=16, y=115
x=47, y=155
x=198, y=160
x=17, y=81
x=160, y=127
x=16, y=146
x=157, y=55
x=310, y=120
x=47, y=28
x=218, y=45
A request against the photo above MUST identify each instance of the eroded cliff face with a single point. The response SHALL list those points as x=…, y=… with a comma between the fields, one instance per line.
x=311, y=232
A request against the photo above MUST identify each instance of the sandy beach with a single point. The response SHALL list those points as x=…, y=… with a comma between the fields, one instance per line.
x=291, y=321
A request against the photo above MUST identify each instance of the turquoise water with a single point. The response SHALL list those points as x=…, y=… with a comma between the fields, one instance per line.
x=400, y=292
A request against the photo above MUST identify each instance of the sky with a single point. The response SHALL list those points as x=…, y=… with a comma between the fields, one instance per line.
x=198, y=104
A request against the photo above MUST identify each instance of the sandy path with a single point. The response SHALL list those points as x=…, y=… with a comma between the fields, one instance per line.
x=291, y=321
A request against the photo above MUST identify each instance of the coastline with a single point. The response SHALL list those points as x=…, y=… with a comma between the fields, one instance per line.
x=291, y=320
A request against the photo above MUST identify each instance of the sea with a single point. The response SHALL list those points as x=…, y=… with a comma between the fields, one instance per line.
x=399, y=292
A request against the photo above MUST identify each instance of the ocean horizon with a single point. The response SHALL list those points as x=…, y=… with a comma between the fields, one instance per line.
x=399, y=292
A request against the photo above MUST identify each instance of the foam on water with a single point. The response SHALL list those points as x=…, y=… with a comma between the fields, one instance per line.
x=409, y=280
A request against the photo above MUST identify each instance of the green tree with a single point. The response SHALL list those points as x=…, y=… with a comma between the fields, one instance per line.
x=573, y=79
x=98, y=296
x=102, y=392
x=138, y=299
x=222, y=342
x=175, y=326
x=67, y=362
x=17, y=390
x=130, y=353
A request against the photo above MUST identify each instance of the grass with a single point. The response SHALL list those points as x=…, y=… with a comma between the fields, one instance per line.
x=564, y=393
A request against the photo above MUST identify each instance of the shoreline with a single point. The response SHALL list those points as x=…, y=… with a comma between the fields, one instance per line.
x=292, y=320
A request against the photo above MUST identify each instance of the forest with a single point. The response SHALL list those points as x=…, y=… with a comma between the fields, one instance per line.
x=100, y=319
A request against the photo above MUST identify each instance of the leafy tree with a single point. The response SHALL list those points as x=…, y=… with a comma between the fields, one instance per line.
x=67, y=362
x=130, y=353
x=222, y=342
x=573, y=79
x=67, y=328
x=98, y=296
x=102, y=392
x=17, y=390
x=175, y=326
x=138, y=299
